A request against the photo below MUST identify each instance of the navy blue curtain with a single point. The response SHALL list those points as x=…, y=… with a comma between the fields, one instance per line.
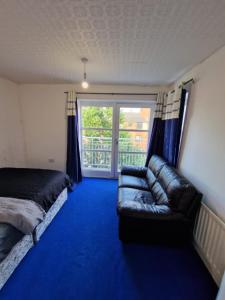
x=167, y=126
x=73, y=164
x=156, y=140
x=157, y=134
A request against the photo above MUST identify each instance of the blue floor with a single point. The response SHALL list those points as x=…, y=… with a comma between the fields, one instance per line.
x=80, y=257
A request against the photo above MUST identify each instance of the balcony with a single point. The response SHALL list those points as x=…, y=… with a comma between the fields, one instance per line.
x=97, y=152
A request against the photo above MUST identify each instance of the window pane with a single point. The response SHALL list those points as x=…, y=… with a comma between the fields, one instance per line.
x=96, y=160
x=133, y=141
x=96, y=117
x=97, y=140
x=134, y=118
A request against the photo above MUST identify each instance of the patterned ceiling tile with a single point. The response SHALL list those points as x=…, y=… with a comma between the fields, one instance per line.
x=99, y=24
x=84, y=24
x=79, y=11
x=113, y=10
x=96, y=11
x=126, y=41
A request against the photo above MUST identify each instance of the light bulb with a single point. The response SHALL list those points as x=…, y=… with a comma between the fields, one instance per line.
x=84, y=84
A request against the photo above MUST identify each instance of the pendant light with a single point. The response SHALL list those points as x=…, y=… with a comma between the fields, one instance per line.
x=84, y=83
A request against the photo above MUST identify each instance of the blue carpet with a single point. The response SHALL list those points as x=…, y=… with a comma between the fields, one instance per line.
x=80, y=257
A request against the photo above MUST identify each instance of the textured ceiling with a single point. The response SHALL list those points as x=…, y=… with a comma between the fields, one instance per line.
x=126, y=41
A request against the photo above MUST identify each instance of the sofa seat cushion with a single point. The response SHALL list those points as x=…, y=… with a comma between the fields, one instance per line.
x=141, y=204
x=133, y=182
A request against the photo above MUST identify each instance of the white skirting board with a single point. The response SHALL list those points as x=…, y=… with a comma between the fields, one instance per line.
x=209, y=241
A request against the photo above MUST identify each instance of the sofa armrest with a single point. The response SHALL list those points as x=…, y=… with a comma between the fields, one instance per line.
x=134, y=171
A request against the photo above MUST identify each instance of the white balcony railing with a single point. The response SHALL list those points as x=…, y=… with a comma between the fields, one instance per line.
x=97, y=152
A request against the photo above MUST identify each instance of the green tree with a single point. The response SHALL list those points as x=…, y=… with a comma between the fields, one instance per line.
x=93, y=117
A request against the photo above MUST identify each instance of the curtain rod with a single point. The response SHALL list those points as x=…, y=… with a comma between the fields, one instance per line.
x=184, y=83
x=119, y=94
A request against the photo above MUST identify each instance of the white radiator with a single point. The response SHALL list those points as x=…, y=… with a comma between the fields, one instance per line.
x=209, y=240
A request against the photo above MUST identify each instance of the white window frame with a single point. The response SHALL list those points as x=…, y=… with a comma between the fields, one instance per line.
x=115, y=104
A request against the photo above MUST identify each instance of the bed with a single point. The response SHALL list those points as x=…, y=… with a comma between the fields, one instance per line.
x=48, y=188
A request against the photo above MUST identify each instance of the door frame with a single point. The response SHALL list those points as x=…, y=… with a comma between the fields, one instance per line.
x=129, y=104
x=94, y=172
x=115, y=104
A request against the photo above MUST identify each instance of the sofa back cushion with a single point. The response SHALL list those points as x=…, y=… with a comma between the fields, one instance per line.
x=156, y=163
x=159, y=194
x=150, y=177
x=179, y=190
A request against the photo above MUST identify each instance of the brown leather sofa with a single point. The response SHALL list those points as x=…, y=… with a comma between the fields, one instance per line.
x=156, y=203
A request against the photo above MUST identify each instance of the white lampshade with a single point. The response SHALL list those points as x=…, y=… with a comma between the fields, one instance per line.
x=84, y=84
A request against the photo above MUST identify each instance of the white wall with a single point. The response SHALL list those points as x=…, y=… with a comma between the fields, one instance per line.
x=43, y=109
x=202, y=157
x=11, y=133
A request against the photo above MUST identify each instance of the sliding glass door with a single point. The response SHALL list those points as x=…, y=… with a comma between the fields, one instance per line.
x=113, y=134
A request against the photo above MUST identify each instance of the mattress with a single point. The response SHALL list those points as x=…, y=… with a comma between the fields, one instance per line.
x=39, y=185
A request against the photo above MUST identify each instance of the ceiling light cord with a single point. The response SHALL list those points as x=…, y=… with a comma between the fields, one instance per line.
x=84, y=83
x=85, y=74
